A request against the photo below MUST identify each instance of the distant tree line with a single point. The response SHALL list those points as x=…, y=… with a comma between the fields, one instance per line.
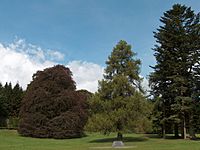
x=10, y=102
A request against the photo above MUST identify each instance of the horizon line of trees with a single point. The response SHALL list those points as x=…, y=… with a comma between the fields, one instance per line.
x=10, y=103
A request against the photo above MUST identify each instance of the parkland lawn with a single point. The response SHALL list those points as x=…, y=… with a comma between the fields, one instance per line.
x=10, y=140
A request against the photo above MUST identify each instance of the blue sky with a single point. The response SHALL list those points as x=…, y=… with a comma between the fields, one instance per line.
x=86, y=30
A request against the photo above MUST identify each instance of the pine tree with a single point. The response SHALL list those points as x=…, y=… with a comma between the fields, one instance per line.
x=118, y=105
x=15, y=100
x=195, y=118
x=3, y=106
x=176, y=53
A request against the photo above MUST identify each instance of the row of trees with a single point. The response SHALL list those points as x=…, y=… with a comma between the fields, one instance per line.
x=10, y=101
x=175, y=82
x=52, y=107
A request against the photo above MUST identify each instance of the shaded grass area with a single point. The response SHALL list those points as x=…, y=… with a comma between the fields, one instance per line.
x=10, y=140
x=125, y=139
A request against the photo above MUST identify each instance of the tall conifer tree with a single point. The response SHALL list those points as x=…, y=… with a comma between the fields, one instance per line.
x=118, y=105
x=177, y=53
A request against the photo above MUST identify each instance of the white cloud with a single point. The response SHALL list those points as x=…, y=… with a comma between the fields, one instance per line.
x=55, y=55
x=145, y=85
x=18, y=65
x=20, y=60
x=86, y=74
x=34, y=51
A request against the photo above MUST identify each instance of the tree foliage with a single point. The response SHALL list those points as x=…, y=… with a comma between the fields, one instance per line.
x=51, y=107
x=10, y=102
x=177, y=53
x=118, y=105
x=3, y=103
x=15, y=98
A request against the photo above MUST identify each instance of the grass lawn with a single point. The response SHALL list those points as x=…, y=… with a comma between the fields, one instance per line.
x=10, y=140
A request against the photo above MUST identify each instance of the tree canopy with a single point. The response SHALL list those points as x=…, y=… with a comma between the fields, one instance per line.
x=10, y=102
x=51, y=107
x=119, y=105
x=177, y=53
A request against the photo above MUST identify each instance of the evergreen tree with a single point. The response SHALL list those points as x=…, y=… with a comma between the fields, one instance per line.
x=7, y=91
x=195, y=118
x=3, y=106
x=176, y=53
x=10, y=101
x=118, y=105
x=15, y=101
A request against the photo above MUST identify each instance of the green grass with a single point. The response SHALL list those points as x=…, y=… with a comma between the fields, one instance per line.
x=10, y=140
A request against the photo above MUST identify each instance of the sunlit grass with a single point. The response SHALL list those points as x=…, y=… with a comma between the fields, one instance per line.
x=10, y=140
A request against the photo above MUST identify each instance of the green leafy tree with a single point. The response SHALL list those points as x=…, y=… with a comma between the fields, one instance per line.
x=176, y=52
x=118, y=106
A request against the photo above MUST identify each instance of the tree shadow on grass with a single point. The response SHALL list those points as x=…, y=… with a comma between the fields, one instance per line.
x=125, y=139
x=156, y=136
x=153, y=136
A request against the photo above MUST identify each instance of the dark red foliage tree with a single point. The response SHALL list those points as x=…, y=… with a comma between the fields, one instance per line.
x=51, y=108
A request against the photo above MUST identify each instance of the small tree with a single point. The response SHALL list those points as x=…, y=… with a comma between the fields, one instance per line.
x=51, y=107
x=118, y=106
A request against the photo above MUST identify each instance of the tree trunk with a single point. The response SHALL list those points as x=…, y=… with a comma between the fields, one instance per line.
x=184, y=128
x=191, y=130
x=192, y=133
x=164, y=131
x=164, y=122
x=119, y=136
x=176, y=133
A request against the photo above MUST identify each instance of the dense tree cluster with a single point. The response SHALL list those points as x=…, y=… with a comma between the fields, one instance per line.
x=119, y=106
x=51, y=107
x=175, y=80
x=10, y=101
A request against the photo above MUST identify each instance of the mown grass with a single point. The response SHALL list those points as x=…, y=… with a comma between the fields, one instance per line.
x=10, y=140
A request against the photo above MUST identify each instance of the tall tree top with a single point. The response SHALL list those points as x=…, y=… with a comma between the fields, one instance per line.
x=180, y=20
x=113, y=106
x=121, y=62
x=177, y=40
x=121, y=76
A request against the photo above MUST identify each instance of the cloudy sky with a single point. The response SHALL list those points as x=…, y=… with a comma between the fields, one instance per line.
x=80, y=34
